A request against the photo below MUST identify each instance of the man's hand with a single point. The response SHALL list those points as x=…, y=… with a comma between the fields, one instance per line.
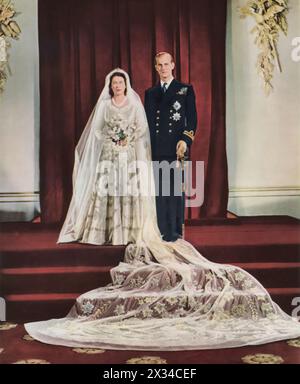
x=181, y=149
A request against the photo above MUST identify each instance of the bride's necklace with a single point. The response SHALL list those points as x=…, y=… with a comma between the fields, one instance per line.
x=119, y=104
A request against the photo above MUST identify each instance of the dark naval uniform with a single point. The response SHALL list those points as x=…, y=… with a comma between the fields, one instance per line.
x=171, y=116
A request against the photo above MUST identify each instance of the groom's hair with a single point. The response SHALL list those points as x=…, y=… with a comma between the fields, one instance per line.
x=120, y=74
x=159, y=54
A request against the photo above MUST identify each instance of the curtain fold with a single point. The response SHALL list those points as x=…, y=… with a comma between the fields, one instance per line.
x=81, y=41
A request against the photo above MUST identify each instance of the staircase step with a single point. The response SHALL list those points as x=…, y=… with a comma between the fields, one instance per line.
x=287, y=298
x=242, y=220
x=267, y=247
x=56, y=256
x=250, y=253
x=112, y=255
x=274, y=274
x=37, y=307
x=85, y=278
x=54, y=279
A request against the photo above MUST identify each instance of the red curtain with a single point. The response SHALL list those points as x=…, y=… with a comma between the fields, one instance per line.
x=81, y=41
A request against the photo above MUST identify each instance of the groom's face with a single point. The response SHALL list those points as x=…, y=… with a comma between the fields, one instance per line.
x=164, y=66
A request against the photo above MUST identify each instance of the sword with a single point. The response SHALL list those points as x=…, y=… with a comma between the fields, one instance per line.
x=181, y=163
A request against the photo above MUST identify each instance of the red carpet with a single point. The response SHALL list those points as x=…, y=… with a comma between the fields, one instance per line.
x=15, y=348
x=40, y=279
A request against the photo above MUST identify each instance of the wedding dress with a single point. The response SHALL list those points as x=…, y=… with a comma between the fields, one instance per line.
x=165, y=295
x=115, y=219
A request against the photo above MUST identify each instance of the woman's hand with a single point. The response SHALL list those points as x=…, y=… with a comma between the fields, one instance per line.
x=123, y=142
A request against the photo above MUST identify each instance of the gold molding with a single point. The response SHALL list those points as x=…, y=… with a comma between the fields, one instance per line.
x=19, y=201
x=8, y=194
x=264, y=189
x=262, y=192
x=19, y=197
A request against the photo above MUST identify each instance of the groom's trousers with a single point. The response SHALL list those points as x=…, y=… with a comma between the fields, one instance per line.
x=169, y=199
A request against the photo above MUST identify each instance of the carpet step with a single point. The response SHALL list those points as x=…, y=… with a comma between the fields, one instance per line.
x=38, y=274
x=242, y=220
x=288, y=299
x=250, y=253
x=60, y=256
x=112, y=255
x=85, y=278
x=54, y=279
x=37, y=307
x=274, y=274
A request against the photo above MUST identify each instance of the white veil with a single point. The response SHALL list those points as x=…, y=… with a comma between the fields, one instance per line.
x=87, y=153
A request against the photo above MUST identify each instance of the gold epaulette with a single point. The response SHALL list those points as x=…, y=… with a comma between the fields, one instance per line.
x=189, y=134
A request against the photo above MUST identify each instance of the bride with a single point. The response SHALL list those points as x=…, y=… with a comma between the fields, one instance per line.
x=106, y=206
x=164, y=296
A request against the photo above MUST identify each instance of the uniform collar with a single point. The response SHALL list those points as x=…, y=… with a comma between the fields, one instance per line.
x=168, y=83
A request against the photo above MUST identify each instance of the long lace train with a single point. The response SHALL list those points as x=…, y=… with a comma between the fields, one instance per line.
x=185, y=302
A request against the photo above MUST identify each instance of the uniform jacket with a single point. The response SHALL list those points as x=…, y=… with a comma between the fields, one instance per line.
x=171, y=116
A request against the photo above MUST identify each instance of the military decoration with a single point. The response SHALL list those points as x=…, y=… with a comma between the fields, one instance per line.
x=176, y=105
x=176, y=116
x=182, y=91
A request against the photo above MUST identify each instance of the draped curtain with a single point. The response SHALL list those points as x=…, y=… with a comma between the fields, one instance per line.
x=81, y=41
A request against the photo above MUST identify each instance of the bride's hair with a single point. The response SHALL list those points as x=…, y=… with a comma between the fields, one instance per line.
x=120, y=74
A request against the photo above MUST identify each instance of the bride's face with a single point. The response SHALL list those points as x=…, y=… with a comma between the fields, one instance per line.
x=118, y=86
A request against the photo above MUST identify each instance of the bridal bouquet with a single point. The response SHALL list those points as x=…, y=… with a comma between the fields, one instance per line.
x=116, y=130
x=118, y=135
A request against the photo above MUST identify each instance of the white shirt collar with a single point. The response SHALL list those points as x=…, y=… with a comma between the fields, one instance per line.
x=168, y=83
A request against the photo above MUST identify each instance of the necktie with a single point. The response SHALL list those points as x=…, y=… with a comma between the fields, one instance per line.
x=164, y=88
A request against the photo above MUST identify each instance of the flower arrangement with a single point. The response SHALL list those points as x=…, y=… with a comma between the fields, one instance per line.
x=270, y=17
x=119, y=135
x=116, y=130
x=9, y=29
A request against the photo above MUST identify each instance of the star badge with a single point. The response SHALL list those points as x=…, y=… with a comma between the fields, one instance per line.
x=176, y=116
x=176, y=105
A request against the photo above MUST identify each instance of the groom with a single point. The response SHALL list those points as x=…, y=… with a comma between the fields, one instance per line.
x=172, y=118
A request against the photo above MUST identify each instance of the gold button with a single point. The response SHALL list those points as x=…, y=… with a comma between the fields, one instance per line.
x=171, y=110
x=170, y=130
x=157, y=117
x=170, y=123
x=157, y=124
x=157, y=111
x=157, y=131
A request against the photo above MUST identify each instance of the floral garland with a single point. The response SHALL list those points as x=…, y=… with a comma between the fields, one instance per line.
x=9, y=29
x=270, y=16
